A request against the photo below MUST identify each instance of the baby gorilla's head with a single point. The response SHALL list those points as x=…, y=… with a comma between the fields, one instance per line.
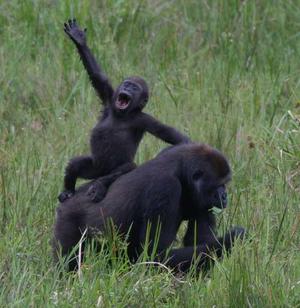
x=131, y=95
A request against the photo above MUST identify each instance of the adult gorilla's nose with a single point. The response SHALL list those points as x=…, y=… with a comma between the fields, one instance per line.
x=224, y=196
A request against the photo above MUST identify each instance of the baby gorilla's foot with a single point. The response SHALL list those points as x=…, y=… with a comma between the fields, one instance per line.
x=65, y=195
x=97, y=191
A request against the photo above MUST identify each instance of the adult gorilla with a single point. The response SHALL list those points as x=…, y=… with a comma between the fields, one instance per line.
x=181, y=183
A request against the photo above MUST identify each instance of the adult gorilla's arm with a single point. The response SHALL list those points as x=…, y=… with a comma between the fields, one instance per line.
x=201, y=229
x=162, y=215
x=99, y=80
x=182, y=259
x=200, y=241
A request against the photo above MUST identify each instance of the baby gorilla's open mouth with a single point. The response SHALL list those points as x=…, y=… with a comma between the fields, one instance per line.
x=123, y=100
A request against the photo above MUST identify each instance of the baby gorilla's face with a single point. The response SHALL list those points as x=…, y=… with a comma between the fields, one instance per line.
x=128, y=96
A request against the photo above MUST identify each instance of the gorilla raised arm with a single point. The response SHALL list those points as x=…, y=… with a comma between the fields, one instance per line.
x=116, y=136
x=182, y=183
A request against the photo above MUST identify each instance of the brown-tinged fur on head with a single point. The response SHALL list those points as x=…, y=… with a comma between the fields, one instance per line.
x=203, y=157
x=195, y=155
x=215, y=159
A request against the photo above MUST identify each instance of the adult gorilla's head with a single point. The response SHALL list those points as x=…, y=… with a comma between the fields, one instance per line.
x=181, y=184
x=205, y=172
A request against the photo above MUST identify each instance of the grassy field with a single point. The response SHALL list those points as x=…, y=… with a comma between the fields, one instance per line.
x=225, y=72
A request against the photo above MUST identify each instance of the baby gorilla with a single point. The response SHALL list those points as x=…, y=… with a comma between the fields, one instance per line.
x=116, y=136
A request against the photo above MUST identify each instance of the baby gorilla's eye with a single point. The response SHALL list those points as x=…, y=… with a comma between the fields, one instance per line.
x=197, y=175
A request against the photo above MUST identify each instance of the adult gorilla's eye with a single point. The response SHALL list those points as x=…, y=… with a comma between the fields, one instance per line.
x=197, y=175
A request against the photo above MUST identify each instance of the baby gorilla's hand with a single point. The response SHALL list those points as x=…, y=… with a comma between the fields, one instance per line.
x=75, y=33
x=97, y=191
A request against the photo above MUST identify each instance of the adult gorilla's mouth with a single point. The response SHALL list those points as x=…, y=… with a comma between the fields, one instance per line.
x=123, y=100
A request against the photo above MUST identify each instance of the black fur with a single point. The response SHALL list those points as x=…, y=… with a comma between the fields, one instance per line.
x=115, y=138
x=179, y=184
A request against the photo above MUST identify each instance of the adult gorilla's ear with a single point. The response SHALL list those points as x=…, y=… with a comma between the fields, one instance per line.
x=197, y=175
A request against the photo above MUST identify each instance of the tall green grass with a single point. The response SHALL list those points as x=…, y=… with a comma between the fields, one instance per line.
x=225, y=72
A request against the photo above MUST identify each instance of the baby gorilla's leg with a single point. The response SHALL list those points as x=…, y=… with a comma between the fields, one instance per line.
x=82, y=167
x=98, y=189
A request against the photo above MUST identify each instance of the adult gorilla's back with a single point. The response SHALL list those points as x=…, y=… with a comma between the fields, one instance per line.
x=182, y=183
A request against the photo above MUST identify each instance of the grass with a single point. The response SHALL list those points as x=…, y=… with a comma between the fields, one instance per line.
x=225, y=72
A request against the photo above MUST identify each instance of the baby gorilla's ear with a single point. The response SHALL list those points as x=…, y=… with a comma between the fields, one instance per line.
x=145, y=98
